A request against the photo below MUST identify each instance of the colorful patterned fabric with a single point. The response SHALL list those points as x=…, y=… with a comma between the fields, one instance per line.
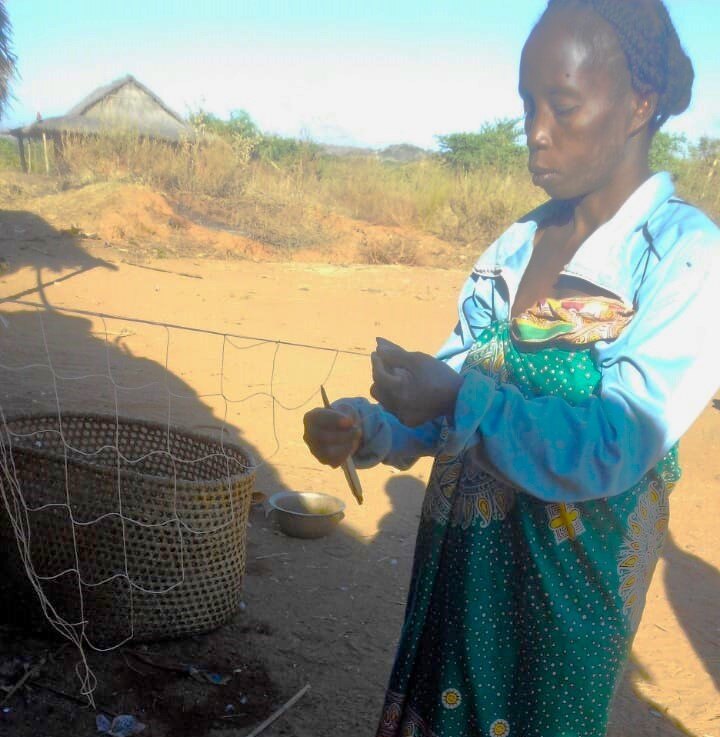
x=520, y=614
x=572, y=321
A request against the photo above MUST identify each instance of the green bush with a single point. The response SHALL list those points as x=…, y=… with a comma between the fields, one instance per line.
x=668, y=152
x=495, y=146
x=239, y=124
x=284, y=150
x=242, y=133
x=9, y=156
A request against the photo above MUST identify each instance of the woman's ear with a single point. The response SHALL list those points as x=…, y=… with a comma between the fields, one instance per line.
x=644, y=112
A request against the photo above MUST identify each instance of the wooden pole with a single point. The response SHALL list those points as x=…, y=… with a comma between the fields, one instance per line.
x=47, y=161
x=29, y=155
x=21, y=149
x=60, y=163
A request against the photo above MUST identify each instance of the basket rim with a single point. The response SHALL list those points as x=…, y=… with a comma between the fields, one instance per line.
x=234, y=478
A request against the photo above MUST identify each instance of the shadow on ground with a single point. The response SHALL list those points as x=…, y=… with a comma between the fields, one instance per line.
x=53, y=362
x=693, y=589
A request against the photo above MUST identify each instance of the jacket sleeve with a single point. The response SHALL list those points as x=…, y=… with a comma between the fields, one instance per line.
x=656, y=379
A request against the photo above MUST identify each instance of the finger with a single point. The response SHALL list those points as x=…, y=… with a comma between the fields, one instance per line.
x=385, y=398
x=334, y=455
x=329, y=419
x=348, y=410
x=318, y=436
x=388, y=380
x=385, y=344
x=334, y=437
x=393, y=355
x=346, y=422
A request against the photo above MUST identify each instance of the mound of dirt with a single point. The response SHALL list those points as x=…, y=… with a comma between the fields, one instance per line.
x=151, y=223
x=130, y=213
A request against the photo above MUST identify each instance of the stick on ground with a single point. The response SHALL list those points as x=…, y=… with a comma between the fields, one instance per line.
x=275, y=715
x=29, y=673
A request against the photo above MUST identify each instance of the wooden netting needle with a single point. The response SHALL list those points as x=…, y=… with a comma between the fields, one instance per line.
x=347, y=466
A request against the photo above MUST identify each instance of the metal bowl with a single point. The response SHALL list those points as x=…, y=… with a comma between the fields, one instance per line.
x=306, y=514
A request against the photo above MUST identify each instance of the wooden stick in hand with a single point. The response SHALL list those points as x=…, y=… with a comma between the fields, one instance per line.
x=347, y=466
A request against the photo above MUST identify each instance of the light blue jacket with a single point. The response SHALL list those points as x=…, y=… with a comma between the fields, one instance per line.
x=659, y=255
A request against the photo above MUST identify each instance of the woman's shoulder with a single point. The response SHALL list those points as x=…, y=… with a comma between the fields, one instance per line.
x=679, y=225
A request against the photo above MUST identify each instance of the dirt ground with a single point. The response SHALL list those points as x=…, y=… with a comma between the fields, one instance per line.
x=325, y=612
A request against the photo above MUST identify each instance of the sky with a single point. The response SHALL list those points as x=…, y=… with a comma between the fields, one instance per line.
x=349, y=72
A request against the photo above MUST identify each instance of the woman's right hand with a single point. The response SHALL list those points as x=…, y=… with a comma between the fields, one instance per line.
x=333, y=434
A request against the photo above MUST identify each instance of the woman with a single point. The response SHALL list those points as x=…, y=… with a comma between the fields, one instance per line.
x=581, y=355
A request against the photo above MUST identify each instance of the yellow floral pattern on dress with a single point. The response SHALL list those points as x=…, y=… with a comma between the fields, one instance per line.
x=441, y=489
x=500, y=728
x=565, y=521
x=488, y=357
x=451, y=698
x=463, y=493
x=480, y=498
x=646, y=531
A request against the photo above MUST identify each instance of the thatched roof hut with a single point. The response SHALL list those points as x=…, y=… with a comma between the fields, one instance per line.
x=123, y=106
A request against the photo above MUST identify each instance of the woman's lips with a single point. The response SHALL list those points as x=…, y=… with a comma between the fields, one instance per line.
x=541, y=176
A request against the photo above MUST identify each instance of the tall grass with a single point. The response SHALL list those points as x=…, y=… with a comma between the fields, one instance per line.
x=214, y=167
x=698, y=180
x=278, y=201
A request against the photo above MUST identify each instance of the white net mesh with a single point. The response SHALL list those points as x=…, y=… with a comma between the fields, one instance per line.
x=135, y=513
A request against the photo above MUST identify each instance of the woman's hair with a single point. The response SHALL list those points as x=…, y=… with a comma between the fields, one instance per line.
x=7, y=58
x=655, y=57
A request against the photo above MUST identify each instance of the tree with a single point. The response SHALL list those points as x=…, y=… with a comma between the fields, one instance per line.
x=239, y=124
x=706, y=150
x=495, y=145
x=668, y=152
x=7, y=57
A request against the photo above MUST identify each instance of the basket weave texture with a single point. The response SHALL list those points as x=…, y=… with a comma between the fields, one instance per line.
x=157, y=532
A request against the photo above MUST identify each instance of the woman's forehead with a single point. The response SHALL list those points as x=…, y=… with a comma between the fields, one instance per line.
x=568, y=48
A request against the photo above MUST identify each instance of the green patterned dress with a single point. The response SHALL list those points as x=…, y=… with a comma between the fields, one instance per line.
x=521, y=613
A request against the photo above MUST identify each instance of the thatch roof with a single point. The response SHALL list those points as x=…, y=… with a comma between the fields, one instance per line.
x=124, y=105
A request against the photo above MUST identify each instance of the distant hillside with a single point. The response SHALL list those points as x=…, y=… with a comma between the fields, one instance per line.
x=404, y=153
x=401, y=152
x=346, y=151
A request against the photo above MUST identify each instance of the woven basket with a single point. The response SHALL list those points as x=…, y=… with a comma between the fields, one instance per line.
x=173, y=562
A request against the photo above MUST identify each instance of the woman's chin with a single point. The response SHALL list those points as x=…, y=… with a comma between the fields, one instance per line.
x=553, y=185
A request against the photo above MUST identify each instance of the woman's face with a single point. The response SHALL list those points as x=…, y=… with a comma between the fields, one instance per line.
x=579, y=104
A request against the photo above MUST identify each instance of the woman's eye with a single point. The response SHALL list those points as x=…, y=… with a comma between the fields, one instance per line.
x=563, y=111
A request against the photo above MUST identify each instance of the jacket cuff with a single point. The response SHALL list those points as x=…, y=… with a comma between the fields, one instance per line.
x=376, y=433
x=473, y=402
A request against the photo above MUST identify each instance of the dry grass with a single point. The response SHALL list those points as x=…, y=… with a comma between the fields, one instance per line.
x=699, y=183
x=395, y=250
x=214, y=167
x=282, y=203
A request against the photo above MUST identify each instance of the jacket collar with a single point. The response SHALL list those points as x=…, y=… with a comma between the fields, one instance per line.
x=608, y=258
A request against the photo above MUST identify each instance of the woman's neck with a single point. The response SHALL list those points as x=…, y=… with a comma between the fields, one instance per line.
x=596, y=208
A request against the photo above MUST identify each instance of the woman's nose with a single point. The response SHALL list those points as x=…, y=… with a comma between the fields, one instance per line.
x=537, y=131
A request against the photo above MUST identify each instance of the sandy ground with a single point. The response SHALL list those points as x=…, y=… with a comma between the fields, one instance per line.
x=324, y=612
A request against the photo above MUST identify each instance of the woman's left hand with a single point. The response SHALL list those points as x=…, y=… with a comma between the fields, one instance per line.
x=415, y=387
